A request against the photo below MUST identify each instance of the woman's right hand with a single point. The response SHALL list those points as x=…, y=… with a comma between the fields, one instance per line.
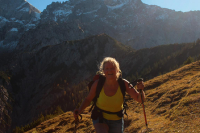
x=76, y=113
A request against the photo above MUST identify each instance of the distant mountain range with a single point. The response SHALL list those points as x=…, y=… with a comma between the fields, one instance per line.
x=131, y=22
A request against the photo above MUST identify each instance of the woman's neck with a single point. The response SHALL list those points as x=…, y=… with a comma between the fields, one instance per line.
x=111, y=82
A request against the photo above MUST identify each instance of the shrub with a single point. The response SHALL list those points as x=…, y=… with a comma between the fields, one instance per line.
x=188, y=61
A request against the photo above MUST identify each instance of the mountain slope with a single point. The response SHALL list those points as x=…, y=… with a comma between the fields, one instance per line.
x=129, y=21
x=151, y=62
x=172, y=105
x=52, y=76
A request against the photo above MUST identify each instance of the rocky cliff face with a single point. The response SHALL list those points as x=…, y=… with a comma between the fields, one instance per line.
x=16, y=17
x=129, y=21
x=5, y=103
x=3, y=110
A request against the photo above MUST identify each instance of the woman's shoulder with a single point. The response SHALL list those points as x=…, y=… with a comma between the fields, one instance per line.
x=94, y=85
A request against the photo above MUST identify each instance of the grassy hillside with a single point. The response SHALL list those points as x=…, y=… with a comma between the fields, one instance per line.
x=172, y=105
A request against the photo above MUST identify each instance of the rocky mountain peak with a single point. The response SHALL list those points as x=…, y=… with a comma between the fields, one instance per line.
x=10, y=10
x=129, y=21
x=15, y=20
x=119, y=2
x=83, y=18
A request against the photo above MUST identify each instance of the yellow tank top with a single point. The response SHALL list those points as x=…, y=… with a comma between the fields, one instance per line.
x=110, y=103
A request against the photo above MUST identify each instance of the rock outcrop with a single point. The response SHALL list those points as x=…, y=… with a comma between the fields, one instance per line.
x=129, y=21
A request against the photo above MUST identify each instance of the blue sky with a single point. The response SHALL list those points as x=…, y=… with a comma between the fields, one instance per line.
x=177, y=5
x=42, y=4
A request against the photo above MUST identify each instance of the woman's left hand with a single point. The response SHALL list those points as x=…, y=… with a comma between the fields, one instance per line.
x=140, y=85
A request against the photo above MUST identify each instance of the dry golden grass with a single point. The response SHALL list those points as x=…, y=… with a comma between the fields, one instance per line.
x=172, y=105
x=65, y=123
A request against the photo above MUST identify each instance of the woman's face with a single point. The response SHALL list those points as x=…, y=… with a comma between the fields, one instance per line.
x=110, y=70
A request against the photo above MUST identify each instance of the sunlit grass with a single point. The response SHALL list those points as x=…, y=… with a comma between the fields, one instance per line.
x=172, y=105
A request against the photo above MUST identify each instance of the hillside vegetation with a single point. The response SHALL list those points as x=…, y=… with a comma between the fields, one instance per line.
x=172, y=105
x=58, y=75
x=159, y=60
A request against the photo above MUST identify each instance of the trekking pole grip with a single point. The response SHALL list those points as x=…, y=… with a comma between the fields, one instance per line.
x=139, y=80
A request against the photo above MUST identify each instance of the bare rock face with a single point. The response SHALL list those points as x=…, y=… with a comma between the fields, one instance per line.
x=129, y=21
x=3, y=110
x=16, y=17
x=5, y=104
x=17, y=9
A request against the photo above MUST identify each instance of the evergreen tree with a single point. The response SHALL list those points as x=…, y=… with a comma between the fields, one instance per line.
x=188, y=61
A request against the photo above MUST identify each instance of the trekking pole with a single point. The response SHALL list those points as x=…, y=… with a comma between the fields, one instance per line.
x=139, y=80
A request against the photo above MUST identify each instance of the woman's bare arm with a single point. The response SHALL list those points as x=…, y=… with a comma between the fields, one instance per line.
x=89, y=97
x=133, y=92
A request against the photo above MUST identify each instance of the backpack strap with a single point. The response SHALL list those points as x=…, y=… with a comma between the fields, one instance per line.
x=100, y=84
x=123, y=90
x=98, y=90
x=122, y=86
